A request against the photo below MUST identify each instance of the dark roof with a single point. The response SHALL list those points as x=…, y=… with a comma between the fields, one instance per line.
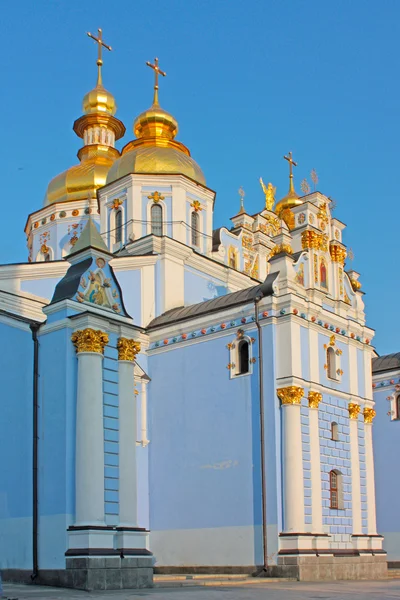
x=390, y=362
x=68, y=286
x=222, y=302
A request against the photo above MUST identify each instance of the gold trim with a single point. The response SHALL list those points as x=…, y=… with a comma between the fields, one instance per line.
x=338, y=253
x=127, y=349
x=354, y=410
x=369, y=415
x=281, y=248
x=89, y=340
x=314, y=398
x=290, y=395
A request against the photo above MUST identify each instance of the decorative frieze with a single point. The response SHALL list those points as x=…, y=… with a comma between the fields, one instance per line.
x=314, y=398
x=290, y=395
x=315, y=240
x=89, y=340
x=127, y=349
x=369, y=415
x=354, y=410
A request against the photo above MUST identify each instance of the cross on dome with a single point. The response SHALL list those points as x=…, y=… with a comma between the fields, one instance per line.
x=100, y=46
x=157, y=72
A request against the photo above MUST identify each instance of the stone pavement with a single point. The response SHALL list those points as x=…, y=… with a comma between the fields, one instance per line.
x=341, y=590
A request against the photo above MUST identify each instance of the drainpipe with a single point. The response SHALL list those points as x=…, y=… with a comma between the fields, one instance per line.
x=262, y=435
x=35, y=439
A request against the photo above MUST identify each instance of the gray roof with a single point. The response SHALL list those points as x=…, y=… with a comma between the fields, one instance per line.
x=222, y=302
x=390, y=362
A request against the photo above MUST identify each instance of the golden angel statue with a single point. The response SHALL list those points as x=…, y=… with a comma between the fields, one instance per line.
x=269, y=192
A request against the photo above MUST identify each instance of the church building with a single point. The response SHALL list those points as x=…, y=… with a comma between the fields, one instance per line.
x=175, y=396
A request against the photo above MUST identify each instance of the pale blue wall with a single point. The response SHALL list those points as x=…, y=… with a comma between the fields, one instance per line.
x=205, y=442
x=57, y=418
x=111, y=431
x=200, y=287
x=40, y=287
x=386, y=439
x=16, y=448
x=131, y=291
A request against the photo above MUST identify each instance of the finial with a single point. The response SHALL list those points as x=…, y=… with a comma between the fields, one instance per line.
x=269, y=192
x=100, y=45
x=157, y=72
x=305, y=186
x=242, y=195
x=332, y=204
x=291, y=165
x=314, y=177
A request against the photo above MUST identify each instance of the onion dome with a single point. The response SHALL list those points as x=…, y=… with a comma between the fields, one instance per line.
x=155, y=149
x=291, y=199
x=99, y=130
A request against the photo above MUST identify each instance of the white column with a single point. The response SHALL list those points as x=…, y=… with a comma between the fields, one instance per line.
x=127, y=350
x=369, y=415
x=89, y=469
x=143, y=414
x=314, y=398
x=354, y=410
x=293, y=483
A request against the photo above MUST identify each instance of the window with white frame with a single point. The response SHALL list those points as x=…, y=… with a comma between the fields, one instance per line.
x=334, y=431
x=336, y=489
x=118, y=226
x=156, y=220
x=195, y=226
x=241, y=355
x=331, y=363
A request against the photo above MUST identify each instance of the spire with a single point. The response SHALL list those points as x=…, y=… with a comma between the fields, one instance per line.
x=242, y=195
x=157, y=72
x=90, y=238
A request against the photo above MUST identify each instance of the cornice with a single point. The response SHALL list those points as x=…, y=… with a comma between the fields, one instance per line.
x=22, y=304
x=319, y=387
x=124, y=263
x=41, y=270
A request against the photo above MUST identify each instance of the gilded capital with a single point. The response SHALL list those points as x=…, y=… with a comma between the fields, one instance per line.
x=314, y=398
x=290, y=395
x=127, y=349
x=354, y=410
x=338, y=253
x=369, y=415
x=89, y=340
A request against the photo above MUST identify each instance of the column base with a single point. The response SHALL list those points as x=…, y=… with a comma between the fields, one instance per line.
x=131, y=540
x=372, y=543
x=88, y=539
x=329, y=567
x=110, y=572
x=299, y=543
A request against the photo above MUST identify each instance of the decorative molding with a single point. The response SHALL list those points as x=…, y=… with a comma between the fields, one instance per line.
x=314, y=398
x=89, y=340
x=369, y=415
x=315, y=240
x=128, y=349
x=354, y=410
x=290, y=395
x=338, y=253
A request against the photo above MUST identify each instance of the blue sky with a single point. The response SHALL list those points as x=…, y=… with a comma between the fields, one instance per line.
x=247, y=81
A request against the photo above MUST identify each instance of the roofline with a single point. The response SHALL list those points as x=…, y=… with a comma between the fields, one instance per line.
x=20, y=318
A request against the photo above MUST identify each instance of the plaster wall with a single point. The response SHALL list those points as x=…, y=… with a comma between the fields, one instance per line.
x=16, y=448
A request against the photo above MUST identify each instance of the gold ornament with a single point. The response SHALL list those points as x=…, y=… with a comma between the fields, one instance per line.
x=127, y=349
x=314, y=398
x=196, y=206
x=287, y=216
x=338, y=253
x=269, y=192
x=354, y=410
x=156, y=197
x=290, y=395
x=279, y=248
x=315, y=240
x=369, y=415
x=89, y=340
x=305, y=187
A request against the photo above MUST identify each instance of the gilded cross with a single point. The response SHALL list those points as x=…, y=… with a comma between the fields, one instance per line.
x=242, y=195
x=100, y=46
x=291, y=163
x=157, y=72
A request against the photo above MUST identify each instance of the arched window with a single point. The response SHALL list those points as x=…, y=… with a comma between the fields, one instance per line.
x=156, y=220
x=46, y=257
x=334, y=431
x=118, y=226
x=195, y=224
x=243, y=356
x=336, y=489
x=232, y=258
x=331, y=363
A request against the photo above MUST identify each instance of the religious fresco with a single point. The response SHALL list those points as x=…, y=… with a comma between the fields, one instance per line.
x=299, y=278
x=97, y=287
x=323, y=274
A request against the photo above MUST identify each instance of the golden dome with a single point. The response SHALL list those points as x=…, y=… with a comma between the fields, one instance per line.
x=155, y=149
x=291, y=199
x=99, y=129
x=155, y=159
x=82, y=180
x=99, y=100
